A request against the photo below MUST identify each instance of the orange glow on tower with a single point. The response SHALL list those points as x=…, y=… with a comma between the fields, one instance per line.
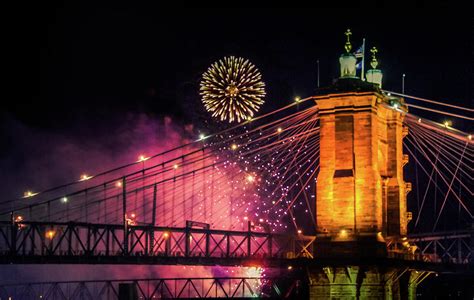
x=360, y=187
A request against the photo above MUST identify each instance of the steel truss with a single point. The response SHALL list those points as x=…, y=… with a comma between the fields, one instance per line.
x=102, y=243
x=455, y=247
x=41, y=242
x=169, y=288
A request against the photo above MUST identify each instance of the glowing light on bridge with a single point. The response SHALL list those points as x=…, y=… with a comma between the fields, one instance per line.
x=64, y=199
x=279, y=129
x=18, y=219
x=447, y=123
x=85, y=177
x=118, y=184
x=343, y=233
x=29, y=194
x=131, y=220
x=297, y=99
x=166, y=235
x=469, y=137
x=142, y=158
x=234, y=147
x=50, y=234
x=175, y=166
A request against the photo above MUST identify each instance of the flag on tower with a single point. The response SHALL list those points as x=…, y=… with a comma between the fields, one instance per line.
x=359, y=52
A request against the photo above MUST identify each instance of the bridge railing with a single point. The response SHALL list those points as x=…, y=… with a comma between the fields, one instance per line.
x=83, y=239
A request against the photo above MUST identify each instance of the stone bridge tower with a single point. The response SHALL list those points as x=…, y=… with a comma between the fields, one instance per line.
x=361, y=194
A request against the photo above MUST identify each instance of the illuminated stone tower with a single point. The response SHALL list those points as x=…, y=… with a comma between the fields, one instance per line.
x=361, y=194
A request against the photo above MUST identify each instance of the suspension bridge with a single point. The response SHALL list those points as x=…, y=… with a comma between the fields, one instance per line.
x=248, y=196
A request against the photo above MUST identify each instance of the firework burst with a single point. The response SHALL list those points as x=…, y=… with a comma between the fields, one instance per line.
x=232, y=89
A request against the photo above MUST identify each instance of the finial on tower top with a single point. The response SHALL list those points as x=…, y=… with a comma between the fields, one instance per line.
x=374, y=63
x=348, y=60
x=374, y=75
x=348, y=45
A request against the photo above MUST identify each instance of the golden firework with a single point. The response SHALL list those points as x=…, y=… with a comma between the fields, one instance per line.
x=232, y=89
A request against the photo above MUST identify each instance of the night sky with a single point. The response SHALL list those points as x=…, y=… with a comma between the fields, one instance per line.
x=84, y=62
x=78, y=70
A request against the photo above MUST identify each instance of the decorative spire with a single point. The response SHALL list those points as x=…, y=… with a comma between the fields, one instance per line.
x=374, y=63
x=348, y=60
x=374, y=75
x=348, y=45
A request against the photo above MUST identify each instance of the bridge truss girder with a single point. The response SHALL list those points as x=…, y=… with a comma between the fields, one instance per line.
x=68, y=242
x=169, y=288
